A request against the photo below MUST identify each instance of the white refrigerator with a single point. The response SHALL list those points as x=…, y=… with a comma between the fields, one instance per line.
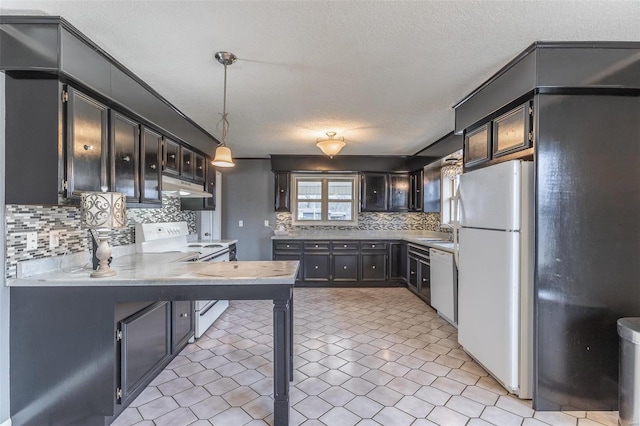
x=495, y=277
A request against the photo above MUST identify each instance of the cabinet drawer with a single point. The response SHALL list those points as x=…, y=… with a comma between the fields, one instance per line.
x=345, y=245
x=316, y=267
x=373, y=245
x=288, y=245
x=316, y=245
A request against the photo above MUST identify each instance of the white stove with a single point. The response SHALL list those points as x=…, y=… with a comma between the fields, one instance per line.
x=169, y=237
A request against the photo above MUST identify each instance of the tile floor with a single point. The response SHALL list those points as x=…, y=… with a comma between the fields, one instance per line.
x=362, y=357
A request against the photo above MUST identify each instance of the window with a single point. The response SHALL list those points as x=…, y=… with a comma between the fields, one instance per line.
x=447, y=200
x=325, y=199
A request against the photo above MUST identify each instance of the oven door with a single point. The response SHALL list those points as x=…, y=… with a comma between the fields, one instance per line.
x=219, y=256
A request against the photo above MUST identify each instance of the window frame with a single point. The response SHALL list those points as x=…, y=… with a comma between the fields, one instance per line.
x=324, y=178
x=448, y=188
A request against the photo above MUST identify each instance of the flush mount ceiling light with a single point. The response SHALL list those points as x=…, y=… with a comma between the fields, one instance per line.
x=331, y=146
x=223, y=153
x=451, y=168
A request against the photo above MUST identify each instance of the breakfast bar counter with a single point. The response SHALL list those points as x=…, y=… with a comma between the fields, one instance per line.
x=63, y=339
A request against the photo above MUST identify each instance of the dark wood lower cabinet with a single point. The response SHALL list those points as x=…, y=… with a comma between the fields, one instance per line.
x=345, y=263
x=182, y=327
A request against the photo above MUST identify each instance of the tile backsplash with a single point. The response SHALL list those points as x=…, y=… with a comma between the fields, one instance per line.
x=373, y=221
x=21, y=219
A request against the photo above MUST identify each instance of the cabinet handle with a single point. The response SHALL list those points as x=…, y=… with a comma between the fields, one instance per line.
x=424, y=279
x=187, y=162
x=344, y=267
x=126, y=158
x=375, y=192
x=172, y=156
x=287, y=245
x=373, y=267
x=184, y=315
x=199, y=167
x=373, y=246
x=316, y=267
x=88, y=147
x=345, y=246
x=413, y=273
x=316, y=246
x=152, y=166
x=282, y=190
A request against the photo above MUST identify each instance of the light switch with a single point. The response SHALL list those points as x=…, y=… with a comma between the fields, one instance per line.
x=54, y=239
x=266, y=223
x=32, y=240
x=241, y=223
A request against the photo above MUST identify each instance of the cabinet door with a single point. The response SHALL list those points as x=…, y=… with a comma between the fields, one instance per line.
x=290, y=256
x=86, y=143
x=150, y=166
x=125, y=147
x=171, y=157
x=432, y=190
x=476, y=145
x=187, y=165
x=398, y=261
x=413, y=272
x=210, y=185
x=282, y=192
x=144, y=347
x=398, y=192
x=183, y=324
x=511, y=131
x=374, y=266
x=416, y=195
x=425, y=281
x=345, y=267
x=199, y=169
x=374, y=192
x=317, y=267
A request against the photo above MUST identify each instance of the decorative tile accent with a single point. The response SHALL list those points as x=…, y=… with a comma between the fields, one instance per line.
x=21, y=219
x=373, y=221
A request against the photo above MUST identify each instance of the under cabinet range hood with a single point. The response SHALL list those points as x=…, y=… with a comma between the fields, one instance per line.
x=183, y=189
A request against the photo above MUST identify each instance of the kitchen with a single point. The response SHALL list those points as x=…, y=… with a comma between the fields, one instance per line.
x=254, y=179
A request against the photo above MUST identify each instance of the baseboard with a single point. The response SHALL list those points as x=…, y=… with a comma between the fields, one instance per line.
x=6, y=423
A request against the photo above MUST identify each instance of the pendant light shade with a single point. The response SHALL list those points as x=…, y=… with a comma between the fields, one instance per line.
x=223, y=157
x=331, y=146
x=223, y=153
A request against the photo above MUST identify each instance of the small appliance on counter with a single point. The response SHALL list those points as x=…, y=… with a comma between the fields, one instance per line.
x=173, y=237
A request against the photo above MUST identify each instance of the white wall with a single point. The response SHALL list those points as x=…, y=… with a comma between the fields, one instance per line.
x=4, y=291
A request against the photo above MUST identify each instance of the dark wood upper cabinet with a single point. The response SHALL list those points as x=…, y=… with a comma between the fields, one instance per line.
x=512, y=131
x=171, y=157
x=374, y=192
x=282, y=191
x=151, y=143
x=416, y=191
x=125, y=148
x=199, y=168
x=87, y=129
x=398, y=192
x=210, y=185
x=431, y=189
x=187, y=166
x=477, y=145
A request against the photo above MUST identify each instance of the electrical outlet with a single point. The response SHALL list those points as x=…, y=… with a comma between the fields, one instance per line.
x=266, y=223
x=54, y=239
x=241, y=223
x=32, y=240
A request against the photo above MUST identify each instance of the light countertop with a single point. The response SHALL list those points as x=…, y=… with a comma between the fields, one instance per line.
x=165, y=269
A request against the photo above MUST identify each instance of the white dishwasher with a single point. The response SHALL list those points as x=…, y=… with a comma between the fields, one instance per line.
x=444, y=285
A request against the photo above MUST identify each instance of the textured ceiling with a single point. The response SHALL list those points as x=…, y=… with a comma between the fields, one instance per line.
x=382, y=74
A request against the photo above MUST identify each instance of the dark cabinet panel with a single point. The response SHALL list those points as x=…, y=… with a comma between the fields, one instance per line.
x=283, y=255
x=187, y=164
x=144, y=346
x=413, y=273
x=345, y=267
x=512, y=131
x=183, y=324
x=398, y=261
x=86, y=143
x=476, y=145
x=151, y=143
x=171, y=157
x=374, y=266
x=398, y=192
x=317, y=267
x=125, y=148
x=199, y=168
x=282, y=184
x=374, y=192
x=425, y=280
x=431, y=190
x=416, y=193
x=210, y=186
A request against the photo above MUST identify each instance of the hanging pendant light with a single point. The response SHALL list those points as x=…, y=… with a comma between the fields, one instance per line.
x=223, y=153
x=451, y=168
x=331, y=146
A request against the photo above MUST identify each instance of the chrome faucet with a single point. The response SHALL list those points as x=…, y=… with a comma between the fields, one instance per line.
x=446, y=225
